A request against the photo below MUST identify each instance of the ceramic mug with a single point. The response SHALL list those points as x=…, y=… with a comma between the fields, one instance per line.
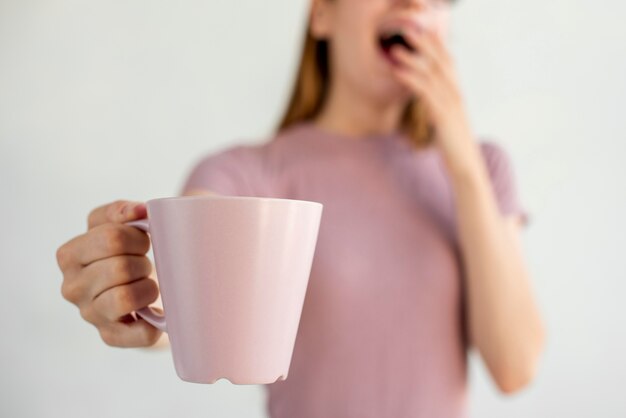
x=233, y=273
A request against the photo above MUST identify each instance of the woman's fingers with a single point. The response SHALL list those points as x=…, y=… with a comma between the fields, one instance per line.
x=90, y=281
x=415, y=62
x=105, y=274
x=101, y=242
x=131, y=334
x=117, y=302
x=413, y=72
x=428, y=44
x=118, y=212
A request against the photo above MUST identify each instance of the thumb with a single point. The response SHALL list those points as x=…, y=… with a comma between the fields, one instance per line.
x=131, y=211
x=118, y=212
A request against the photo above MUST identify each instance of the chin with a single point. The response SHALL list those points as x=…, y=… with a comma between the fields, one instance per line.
x=389, y=91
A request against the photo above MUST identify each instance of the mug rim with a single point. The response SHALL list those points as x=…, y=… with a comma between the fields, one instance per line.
x=226, y=197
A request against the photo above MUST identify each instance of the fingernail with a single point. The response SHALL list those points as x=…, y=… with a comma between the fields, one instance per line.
x=138, y=207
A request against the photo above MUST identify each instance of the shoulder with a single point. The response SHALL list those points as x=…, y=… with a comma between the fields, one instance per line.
x=503, y=178
x=496, y=155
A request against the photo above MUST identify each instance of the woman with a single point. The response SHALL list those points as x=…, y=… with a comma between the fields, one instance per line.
x=418, y=256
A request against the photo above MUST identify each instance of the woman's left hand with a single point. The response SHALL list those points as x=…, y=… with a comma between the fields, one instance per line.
x=430, y=75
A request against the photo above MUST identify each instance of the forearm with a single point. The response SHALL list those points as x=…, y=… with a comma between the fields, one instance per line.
x=503, y=321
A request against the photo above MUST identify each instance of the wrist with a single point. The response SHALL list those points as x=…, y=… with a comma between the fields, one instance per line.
x=464, y=163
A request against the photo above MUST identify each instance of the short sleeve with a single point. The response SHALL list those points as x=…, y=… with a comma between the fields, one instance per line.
x=503, y=180
x=227, y=172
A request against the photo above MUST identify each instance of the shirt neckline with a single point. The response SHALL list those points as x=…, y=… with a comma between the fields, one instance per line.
x=391, y=141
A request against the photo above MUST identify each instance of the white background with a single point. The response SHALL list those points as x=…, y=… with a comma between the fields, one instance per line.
x=117, y=99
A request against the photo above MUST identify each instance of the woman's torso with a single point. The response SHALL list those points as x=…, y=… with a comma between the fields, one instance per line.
x=381, y=332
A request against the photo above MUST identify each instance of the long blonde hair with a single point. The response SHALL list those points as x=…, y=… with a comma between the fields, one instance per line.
x=311, y=88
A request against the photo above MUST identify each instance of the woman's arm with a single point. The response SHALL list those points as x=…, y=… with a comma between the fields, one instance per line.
x=503, y=320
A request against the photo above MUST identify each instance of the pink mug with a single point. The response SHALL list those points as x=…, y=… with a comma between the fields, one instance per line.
x=233, y=273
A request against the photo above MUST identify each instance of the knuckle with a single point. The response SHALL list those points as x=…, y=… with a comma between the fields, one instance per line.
x=87, y=313
x=69, y=291
x=64, y=257
x=109, y=336
x=92, y=216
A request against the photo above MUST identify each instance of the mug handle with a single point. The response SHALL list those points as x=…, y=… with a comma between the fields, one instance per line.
x=151, y=317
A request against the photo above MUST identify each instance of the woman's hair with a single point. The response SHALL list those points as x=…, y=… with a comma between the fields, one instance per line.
x=311, y=88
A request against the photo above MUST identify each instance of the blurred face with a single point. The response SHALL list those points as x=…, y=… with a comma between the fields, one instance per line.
x=359, y=31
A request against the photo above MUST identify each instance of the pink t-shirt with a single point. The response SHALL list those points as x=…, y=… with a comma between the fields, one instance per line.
x=382, y=331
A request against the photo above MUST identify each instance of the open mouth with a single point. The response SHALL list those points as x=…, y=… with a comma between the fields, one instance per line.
x=390, y=38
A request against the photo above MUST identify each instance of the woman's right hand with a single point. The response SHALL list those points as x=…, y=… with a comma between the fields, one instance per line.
x=106, y=275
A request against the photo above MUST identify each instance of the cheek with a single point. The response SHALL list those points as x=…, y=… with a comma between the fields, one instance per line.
x=355, y=26
x=354, y=45
x=437, y=20
x=441, y=23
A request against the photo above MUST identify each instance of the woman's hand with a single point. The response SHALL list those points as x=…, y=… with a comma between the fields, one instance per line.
x=106, y=274
x=429, y=74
